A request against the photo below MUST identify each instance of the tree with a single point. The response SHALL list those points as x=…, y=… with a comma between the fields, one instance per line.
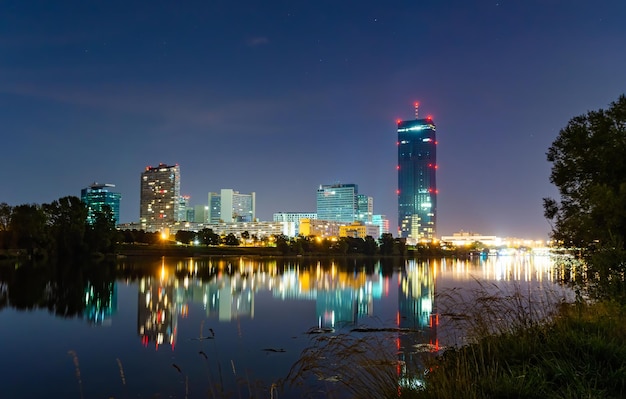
x=5, y=216
x=101, y=236
x=231, y=240
x=67, y=221
x=589, y=170
x=386, y=244
x=208, y=237
x=28, y=228
x=185, y=236
x=371, y=246
x=5, y=221
x=282, y=243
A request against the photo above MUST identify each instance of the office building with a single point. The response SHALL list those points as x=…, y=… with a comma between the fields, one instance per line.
x=417, y=185
x=97, y=196
x=257, y=229
x=320, y=228
x=230, y=206
x=365, y=209
x=337, y=202
x=215, y=208
x=201, y=213
x=382, y=222
x=183, y=209
x=294, y=217
x=160, y=197
x=359, y=230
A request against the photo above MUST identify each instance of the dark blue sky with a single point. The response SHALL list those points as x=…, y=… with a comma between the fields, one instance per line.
x=278, y=97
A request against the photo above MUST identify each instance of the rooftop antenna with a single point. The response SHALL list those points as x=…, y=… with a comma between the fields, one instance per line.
x=417, y=105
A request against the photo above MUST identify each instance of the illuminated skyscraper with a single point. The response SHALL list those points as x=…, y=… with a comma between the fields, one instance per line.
x=337, y=202
x=417, y=185
x=97, y=196
x=160, y=197
x=365, y=209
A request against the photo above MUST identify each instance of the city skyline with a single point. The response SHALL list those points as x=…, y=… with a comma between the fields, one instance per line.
x=279, y=98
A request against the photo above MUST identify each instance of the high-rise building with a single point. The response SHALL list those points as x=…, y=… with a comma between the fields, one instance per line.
x=215, y=208
x=231, y=206
x=201, y=213
x=160, y=197
x=337, y=202
x=97, y=196
x=365, y=208
x=183, y=211
x=417, y=185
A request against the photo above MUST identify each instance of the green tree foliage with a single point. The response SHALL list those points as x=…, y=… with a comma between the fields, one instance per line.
x=231, y=240
x=5, y=221
x=370, y=247
x=58, y=230
x=67, y=223
x=282, y=243
x=102, y=236
x=208, y=237
x=185, y=236
x=386, y=244
x=589, y=169
x=5, y=216
x=28, y=228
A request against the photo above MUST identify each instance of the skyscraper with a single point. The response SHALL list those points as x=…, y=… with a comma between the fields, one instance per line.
x=160, y=197
x=365, y=208
x=337, y=202
x=231, y=206
x=417, y=185
x=97, y=196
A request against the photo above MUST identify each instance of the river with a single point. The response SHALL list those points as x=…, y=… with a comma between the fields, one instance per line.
x=236, y=326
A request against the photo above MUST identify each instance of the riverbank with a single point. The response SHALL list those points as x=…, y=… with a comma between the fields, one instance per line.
x=579, y=353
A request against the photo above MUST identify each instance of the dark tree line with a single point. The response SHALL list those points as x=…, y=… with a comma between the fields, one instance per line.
x=207, y=236
x=56, y=230
x=386, y=245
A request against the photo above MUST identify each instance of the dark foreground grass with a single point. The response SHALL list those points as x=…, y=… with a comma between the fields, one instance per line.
x=579, y=353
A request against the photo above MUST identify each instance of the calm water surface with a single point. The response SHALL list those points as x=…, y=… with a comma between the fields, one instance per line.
x=224, y=327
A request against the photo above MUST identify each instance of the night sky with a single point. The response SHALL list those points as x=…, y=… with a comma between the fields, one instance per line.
x=278, y=97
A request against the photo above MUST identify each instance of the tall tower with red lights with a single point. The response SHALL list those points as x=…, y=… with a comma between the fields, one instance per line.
x=417, y=183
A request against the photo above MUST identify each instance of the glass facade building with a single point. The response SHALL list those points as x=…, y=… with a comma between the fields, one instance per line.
x=160, y=197
x=97, y=196
x=215, y=208
x=417, y=184
x=365, y=208
x=231, y=206
x=337, y=202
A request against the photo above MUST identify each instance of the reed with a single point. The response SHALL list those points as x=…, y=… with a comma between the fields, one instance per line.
x=347, y=365
x=519, y=347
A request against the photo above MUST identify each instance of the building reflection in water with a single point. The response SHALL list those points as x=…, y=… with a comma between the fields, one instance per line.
x=344, y=295
x=157, y=312
x=417, y=317
x=100, y=302
x=226, y=289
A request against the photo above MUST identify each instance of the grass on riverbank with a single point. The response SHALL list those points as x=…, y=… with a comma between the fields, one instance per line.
x=580, y=353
